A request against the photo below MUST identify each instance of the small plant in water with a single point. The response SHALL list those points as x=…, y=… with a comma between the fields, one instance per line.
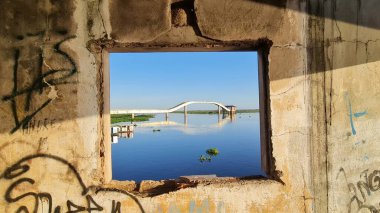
x=204, y=158
x=212, y=152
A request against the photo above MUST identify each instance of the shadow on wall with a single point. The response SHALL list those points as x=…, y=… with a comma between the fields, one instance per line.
x=340, y=33
x=355, y=12
x=39, y=78
x=38, y=61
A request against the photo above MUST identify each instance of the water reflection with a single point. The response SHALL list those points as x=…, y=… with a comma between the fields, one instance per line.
x=125, y=129
x=177, y=148
x=121, y=131
x=187, y=128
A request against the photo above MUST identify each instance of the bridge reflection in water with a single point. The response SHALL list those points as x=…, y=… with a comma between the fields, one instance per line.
x=223, y=112
x=127, y=130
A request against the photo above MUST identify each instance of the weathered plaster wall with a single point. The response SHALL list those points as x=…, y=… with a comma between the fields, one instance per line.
x=351, y=34
x=323, y=72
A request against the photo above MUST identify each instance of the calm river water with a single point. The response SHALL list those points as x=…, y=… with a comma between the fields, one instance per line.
x=175, y=150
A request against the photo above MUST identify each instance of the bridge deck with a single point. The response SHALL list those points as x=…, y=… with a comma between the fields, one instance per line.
x=159, y=111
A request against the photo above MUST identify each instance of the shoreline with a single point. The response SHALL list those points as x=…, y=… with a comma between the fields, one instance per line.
x=118, y=118
x=216, y=111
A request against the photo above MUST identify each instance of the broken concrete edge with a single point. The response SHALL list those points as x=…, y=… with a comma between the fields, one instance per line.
x=101, y=47
x=149, y=188
x=209, y=179
x=152, y=188
x=123, y=185
x=196, y=177
x=97, y=46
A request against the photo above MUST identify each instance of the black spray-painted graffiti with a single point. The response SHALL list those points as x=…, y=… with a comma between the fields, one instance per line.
x=36, y=125
x=21, y=185
x=41, y=80
x=362, y=190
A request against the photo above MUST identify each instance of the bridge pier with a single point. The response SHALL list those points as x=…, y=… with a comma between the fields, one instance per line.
x=219, y=113
x=166, y=116
x=185, y=114
x=232, y=111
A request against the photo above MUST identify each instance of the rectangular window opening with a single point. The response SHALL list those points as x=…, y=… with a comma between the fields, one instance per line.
x=184, y=115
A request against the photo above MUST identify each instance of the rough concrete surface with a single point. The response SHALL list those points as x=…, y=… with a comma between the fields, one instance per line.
x=323, y=89
x=139, y=21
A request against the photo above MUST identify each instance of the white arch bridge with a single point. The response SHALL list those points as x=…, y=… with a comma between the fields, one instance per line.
x=221, y=109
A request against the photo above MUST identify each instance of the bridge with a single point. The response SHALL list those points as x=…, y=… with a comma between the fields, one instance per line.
x=230, y=109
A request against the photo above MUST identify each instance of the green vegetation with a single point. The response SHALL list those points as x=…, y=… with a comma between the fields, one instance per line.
x=212, y=152
x=204, y=158
x=116, y=118
x=216, y=111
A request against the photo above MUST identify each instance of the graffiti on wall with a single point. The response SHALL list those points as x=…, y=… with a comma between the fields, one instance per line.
x=48, y=183
x=362, y=193
x=44, y=77
x=352, y=114
x=37, y=125
x=27, y=190
x=362, y=190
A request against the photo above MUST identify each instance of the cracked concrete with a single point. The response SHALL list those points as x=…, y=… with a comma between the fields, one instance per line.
x=315, y=53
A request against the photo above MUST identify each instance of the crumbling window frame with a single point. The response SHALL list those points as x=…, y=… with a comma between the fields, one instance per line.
x=103, y=48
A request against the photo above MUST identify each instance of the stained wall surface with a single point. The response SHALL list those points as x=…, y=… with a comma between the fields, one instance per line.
x=323, y=99
x=352, y=105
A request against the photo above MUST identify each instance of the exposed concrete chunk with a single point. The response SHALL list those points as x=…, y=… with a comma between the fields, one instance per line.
x=139, y=21
x=197, y=177
x=179, y=17
x=205, y=178
x=124, y=185
x=150, y=184
x=153, y=188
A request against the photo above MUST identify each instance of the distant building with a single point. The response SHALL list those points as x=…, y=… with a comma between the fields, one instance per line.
x=232, y=108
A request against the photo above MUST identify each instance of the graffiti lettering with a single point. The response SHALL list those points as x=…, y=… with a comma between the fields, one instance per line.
x=115, y=207
x=362, y=190
x=36, y=125
x=20, y=176
x=40, y=82
x=352, y=115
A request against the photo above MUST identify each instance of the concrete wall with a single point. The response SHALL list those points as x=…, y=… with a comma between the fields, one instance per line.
x=349, y=92
x=324, y=97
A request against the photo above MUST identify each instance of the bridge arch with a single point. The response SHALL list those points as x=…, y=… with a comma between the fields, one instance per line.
x=173, y=109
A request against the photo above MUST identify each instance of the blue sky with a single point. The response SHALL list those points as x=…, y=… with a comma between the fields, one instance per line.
x=163, y=80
